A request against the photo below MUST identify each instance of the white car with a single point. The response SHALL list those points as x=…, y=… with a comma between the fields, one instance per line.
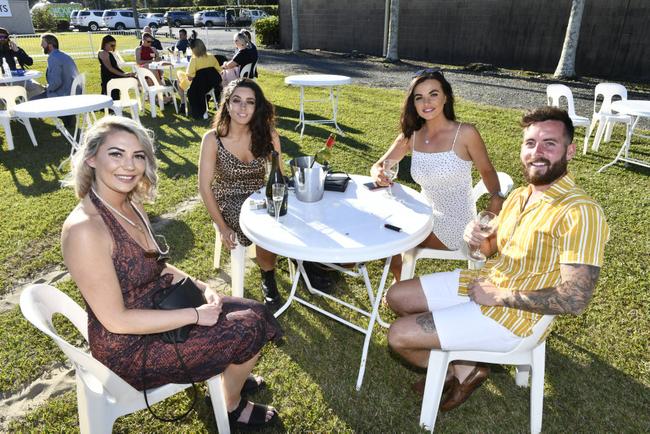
x=123, y=19
x=209, y=18
x=88, y=20
x=253, y=14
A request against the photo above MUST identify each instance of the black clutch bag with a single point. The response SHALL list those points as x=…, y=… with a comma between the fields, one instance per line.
x=336, y=181
x=181, y=295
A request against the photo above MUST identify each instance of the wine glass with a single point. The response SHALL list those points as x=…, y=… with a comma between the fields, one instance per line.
x=278, y=195
x=485, y=221
x=391, y=167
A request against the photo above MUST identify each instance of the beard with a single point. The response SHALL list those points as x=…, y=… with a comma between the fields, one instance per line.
x=46, y=51
x=554, y=171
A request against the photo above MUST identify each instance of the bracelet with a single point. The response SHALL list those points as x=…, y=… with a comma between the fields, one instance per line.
x=197, y=315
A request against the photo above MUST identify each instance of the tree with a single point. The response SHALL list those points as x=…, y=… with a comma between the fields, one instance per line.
x=566, y=67
x=393, y=32
x=295, y=40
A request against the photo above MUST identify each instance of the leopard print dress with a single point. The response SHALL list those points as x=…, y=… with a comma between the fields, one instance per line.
x=233, y=182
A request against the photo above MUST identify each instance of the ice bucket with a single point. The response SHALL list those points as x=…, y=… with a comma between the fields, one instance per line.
x=309, y=180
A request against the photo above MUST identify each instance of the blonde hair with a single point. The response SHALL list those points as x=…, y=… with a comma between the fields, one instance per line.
x=82, y=176
x=198, y=48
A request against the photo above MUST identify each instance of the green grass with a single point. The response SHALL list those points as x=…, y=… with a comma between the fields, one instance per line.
x=597, y=364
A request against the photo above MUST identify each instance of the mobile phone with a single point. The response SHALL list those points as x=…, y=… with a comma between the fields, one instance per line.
x=372, y=186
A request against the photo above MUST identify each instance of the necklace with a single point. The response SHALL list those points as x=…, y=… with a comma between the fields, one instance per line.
x=108, y=205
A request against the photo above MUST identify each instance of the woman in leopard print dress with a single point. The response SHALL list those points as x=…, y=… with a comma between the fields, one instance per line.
x=232, y=166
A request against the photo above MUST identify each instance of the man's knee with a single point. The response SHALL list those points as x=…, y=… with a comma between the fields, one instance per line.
x=398, y=336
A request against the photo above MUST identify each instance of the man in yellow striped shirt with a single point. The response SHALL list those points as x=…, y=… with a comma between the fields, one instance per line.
x=546, y=254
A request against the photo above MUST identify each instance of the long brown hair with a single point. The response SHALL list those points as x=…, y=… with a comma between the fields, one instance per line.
x=410, y=121
x=262, y=123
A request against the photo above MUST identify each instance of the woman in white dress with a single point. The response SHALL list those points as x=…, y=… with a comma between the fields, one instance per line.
x=442, y=154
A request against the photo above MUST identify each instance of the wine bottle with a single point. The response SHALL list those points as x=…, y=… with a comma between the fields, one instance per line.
x=275, y=177
x=323, y=156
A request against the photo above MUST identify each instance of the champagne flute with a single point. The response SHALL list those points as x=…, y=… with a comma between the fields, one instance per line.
x=485, y=221
x=391, y=168
x=278, y=195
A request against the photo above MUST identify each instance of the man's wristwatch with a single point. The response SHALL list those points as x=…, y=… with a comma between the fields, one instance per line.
x=498, y=193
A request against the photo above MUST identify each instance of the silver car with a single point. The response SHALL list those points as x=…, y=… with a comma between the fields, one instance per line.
x=209, y=18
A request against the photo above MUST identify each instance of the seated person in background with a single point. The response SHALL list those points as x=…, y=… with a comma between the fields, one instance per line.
x=61, y=69
x=202, y=76
x=549, y=239
x=11, y=52
x=113, y=174
x=182, y=44
x=156, y=43
x=61, y=72
x=244, y=55
x=146, y=53
x=443, y=152
x=108, y=65
x=250, y=38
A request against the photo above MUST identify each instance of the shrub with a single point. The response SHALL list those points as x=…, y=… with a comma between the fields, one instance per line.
x=268, y=30
x=42, y=19
x=62, y=25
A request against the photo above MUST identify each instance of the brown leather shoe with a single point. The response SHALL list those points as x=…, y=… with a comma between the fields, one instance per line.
x=460, y=392
x=418, y=386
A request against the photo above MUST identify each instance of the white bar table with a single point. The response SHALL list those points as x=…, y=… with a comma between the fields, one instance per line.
x=331, y=82
x=56, y=107
x=637, y=109
x=29, y=75
x=343, y=228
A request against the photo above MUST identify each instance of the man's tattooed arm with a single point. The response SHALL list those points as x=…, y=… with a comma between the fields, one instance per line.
x=569, y=297
x=425, y=321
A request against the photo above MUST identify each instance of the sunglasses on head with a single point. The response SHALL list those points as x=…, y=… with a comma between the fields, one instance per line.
x=428, y=71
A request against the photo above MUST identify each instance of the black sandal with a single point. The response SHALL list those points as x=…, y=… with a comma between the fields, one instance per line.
x=251, y=385
x=257, y=417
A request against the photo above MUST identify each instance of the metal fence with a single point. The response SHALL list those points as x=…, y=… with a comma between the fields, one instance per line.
x=80, y=45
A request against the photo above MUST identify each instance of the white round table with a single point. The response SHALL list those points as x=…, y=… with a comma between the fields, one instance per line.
x=332, y=82
x=637, y=109
x=344, y=227
x=29, y=75
x=56, y=107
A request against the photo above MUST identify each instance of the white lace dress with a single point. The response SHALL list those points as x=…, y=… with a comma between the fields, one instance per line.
x=446, y=182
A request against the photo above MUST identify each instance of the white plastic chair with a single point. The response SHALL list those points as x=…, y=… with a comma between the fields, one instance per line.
x=102, y=396
x=604, y=117
x=155, y=90
x=11, y=95
x=248, y=71
x=78, y=84
x=529, y=355
x=411, y=256
x=237, y=262
x=554, y=95
x=124, y=86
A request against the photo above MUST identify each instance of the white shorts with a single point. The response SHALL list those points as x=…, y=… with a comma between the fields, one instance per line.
x=459, y=321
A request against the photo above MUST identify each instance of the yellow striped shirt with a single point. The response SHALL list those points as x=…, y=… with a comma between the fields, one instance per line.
x=565, y=226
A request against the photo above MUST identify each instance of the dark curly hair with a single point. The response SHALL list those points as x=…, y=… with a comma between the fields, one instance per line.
x=262, y=123
x=410, y=121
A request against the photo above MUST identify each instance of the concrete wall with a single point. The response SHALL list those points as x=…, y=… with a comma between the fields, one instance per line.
x=20, y=22
x=528, y=34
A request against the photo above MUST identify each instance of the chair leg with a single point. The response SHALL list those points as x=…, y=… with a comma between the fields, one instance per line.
x=436, y=373
x=599, y=135
x=6, y=123
x=537, y=388
x=215, y=386
x=117, y=110
x=217, y=249
x=152, y=104
x=521, y=375
x=237, y=268
x=134, y=113
x=608, y=131
x=95, y=416
x=409, y=259
x=590, y=129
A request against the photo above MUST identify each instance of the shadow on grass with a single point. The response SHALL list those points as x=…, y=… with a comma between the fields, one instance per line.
x=287, y=118
x=36, y=161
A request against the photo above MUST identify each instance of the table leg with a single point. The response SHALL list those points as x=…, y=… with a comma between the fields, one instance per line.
x=302, y=110
x=624, y=151
x=371, y=323
x=294, y=286
x=74, y=145
x=334, y=96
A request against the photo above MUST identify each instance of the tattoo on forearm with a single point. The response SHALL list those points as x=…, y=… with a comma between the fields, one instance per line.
x=425, y=321
x=569, y=297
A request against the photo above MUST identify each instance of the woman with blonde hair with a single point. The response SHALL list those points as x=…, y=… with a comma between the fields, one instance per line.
x=118, y=264
x=203, y=75
x=244, y=55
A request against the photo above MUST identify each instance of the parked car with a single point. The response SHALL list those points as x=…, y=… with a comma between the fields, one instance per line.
x=252, y=14
x=73, y=18
x=179, y=18
x=209, y=18
x=88, y=20
x=123, y=19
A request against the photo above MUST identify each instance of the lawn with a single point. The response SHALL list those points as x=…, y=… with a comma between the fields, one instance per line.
x=598, y=367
